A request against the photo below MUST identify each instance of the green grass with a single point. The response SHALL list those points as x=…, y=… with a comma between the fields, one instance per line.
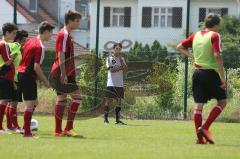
x=139, y=140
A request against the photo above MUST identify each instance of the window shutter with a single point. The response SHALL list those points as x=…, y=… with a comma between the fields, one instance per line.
x=224, y=11
x=177, y=17
x=147, y=17
x=202, y=14
x=127, y=17
x=107, y=15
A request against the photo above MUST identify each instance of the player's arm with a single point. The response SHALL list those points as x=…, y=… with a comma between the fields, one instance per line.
x=40, y=74
x=216, y=42
x=37, y=68
x=61, y=57
x=220, y=65
x=183, y=46
x=124, y=66
x=4, y=49
x=183, y=50
x=61, y=47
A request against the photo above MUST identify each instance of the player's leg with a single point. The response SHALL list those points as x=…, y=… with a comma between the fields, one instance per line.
x=107, y=103
x=72, y=111
x=218, y=93
x=118, y=109
x=28, y=87
x=216, y=111
x=198, y=122
x=6, y=95
x=13, y=115
x=3, y=105
x=58, y=114
x=28, y=112
x=200, y=95
x=8, y=117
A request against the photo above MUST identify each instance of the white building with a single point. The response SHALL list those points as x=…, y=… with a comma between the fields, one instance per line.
x=149, y=20
x=6, y=14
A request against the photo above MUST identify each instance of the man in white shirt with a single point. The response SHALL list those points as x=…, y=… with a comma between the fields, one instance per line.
x=116, y=65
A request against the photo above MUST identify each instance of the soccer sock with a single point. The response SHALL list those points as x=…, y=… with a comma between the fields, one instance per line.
x=2, y=111
x=198, y=122
x=13, y=117
x=59, y=112
x=71, y=113
x=117, y=111
x=106, y=111
x=8, y=117
x=27, y=121
x=216, y=111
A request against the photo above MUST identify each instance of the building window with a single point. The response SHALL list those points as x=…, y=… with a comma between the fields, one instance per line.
x=162, y=17
x=217, y=11
x=117, y=18
x=82, y=8
x=33, y=5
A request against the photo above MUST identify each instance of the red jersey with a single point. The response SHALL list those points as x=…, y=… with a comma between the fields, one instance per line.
x=64, y=44
x=216, y=43
x=33, y=52
x=4, y=57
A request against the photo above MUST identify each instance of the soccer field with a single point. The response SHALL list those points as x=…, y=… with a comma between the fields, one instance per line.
x=138, y=140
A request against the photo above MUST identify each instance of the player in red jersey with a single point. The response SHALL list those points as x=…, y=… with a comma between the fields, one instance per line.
x=6, y=65
x=63, y=75
x=208, y=80
x=16, y=51
x=29, y=70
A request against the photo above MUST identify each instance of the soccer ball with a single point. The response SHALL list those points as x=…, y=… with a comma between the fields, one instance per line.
x=34, y=125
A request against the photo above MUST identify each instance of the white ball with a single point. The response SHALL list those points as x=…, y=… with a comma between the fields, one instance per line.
x=34, y=124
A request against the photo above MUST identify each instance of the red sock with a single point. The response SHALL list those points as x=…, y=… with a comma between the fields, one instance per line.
x=27, y=121
x=71, y=113
x=59, y=112
x=13, y=115
x=2, y=111
x=8, y=117
x=198, y=122
x=216, y=111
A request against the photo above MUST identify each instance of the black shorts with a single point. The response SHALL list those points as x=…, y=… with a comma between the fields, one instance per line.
x=6, y=89
x=17, y=95
x=206, y=86
x=60, y=88
x=28, y=86
x=115, y=92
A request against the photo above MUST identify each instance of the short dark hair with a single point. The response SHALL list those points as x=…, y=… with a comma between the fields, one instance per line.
x=211, y=20
x=20, y=35
x=9, y=27
x=72, y=15
x=117, y=44
x=45, y=26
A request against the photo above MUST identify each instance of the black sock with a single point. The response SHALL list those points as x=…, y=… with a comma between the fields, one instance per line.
x=117, y=110
x=106, y=111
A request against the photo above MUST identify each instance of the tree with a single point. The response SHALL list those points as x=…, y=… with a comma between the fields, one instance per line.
x=230, y=31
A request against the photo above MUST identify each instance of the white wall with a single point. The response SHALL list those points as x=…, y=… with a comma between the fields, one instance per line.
x=81, y=37
x=109, y=33
x=196, y=4
x=148, y=35
x=64, y=6
x=164, y=35
x=6, y=14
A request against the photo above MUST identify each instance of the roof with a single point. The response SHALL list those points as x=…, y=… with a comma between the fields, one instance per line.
x=39, y=16
x=78, y=49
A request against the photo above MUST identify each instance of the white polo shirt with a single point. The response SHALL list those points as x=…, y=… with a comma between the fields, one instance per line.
x=114, y=79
